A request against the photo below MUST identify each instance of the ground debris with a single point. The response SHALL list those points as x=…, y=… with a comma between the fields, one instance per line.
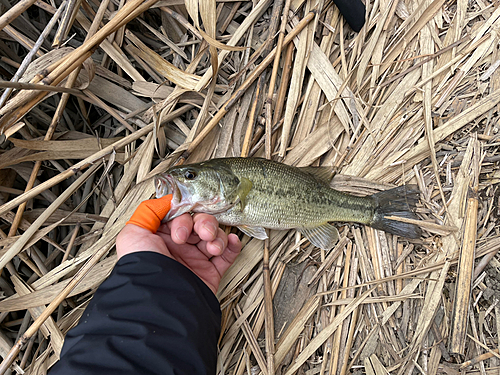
x=120, y=91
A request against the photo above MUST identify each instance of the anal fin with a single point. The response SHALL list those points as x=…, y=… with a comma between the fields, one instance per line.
x=256, y=232
x=324, y=236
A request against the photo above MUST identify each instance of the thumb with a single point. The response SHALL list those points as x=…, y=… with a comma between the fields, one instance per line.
x=150, y=213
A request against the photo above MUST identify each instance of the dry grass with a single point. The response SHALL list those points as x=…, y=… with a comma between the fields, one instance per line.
x=120, y=90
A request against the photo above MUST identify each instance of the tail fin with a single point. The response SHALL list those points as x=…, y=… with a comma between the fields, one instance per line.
x=396, y=202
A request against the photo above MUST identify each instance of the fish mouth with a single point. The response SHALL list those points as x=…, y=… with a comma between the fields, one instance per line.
x=167, y=184
x=183, y=200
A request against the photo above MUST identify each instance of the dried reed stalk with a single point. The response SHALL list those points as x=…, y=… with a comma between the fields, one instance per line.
x=411, y=99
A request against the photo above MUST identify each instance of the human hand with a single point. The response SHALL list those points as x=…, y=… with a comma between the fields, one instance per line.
x=195, y=241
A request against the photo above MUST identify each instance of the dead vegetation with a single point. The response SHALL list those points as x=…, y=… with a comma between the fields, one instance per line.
x=120, y=90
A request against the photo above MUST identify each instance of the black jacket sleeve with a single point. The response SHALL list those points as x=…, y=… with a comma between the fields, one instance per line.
x=353, y=11
x=151, y=316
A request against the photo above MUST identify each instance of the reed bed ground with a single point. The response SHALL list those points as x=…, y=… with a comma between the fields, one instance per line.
x=99, y=96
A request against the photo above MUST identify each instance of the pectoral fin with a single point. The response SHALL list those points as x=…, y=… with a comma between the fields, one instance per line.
x=324, y=236
x=243, y=189
x=256, y=232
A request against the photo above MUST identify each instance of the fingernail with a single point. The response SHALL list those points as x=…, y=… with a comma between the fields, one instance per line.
x=211, y=228
x=182, y=234
x=219, y=244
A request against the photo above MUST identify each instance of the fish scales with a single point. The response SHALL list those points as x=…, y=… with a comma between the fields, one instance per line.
x=284, y=197
x=254, y=194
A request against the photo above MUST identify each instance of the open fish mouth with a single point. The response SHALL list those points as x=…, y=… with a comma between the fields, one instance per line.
x=164, y=185
x=181, y=203
x=183, y=200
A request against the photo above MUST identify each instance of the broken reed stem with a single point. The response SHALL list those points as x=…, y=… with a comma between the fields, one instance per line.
x=287, y=70
x=61, y=69
x=464, y=282
x=272, y=82
x=36, y=86
x=354, y=318
x=66, y=22
x=15, y=12
x=48, y=136
x=482, y=357
x=27, y=352
x=466, y=258
x=402, y=74
x=279, y=47
x=131, y=10
x=259, y=314
x=338, y=333
x=184, y=22
x=35, y=97
x=259, y=320
x=108, y=109
x=27, y=59
x=21, y=208
x=245, y=149
x=252, y=342
x=97, y=19
x=350, y=339
x=21, y=242
x=14, y=351
x=71, y=242
x=21, y=39
x=269, y=128
x=249, y=64
x=85, y=163
x=244, y=86
x=268, y=309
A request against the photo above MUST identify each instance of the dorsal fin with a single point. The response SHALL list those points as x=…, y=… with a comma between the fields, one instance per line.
x=323, y=174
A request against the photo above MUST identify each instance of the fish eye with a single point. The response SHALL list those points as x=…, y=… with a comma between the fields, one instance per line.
x=190, y=174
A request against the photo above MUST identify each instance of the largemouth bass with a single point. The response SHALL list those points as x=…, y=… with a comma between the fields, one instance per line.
x=253, y=194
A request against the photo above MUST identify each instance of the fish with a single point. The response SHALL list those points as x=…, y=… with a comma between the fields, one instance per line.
x=254, y=194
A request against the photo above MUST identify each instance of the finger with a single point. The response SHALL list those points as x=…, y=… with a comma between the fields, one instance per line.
x=181, y=228
x=165, y=232
x=185, y=253
x=193, y=238
x=150, y=213
x=217, y=246
x=227, y=258
x=206, y=226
